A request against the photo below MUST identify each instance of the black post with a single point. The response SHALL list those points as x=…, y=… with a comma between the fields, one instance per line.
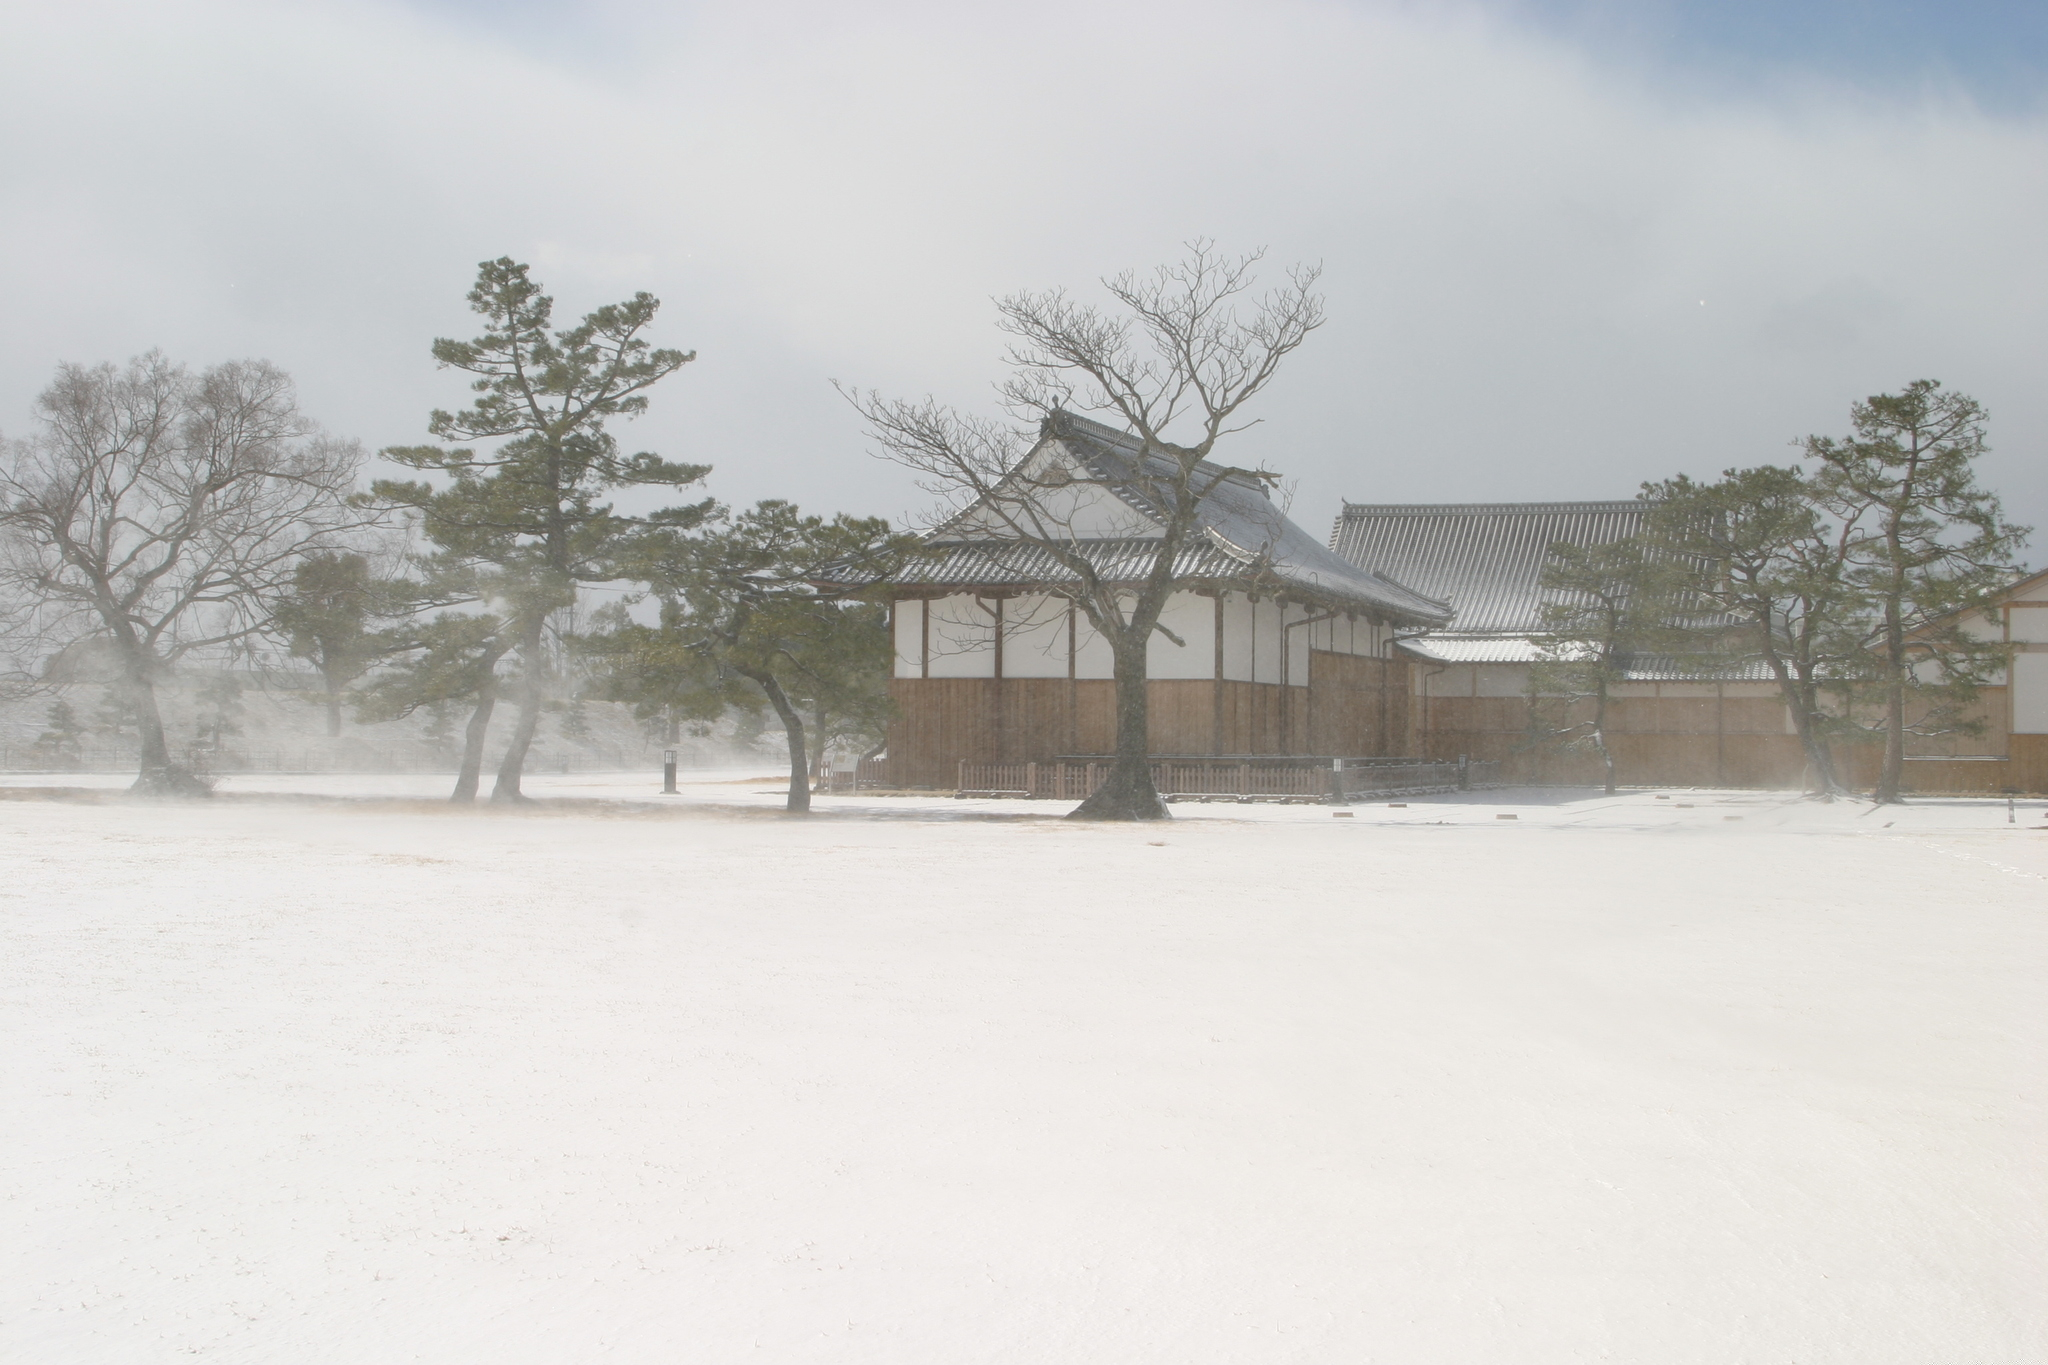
x=668, y=772
x=1464, y=772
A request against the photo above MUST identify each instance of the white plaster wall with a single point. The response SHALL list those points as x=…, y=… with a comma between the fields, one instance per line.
x=1093, y=657
x=1237, y=638
x=2030, y=694
x=963, y=638
x=1035, y=637
x=1085, y=511
x=907, y=616
x=1455, y=681
x=1350, y=636
x=1193, y=618
x=1266, y=641
x=2028, y=624
x=1296, y=643
x=1500, y=680
x=1347, y=635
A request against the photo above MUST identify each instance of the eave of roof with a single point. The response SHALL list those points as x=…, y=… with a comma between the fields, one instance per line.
x=1454, y=649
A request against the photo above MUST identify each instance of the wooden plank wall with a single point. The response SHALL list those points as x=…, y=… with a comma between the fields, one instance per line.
x=1741, y=742
x=1656, y=741
x=2027, y=763
x=941, y=722
x=1357, y=707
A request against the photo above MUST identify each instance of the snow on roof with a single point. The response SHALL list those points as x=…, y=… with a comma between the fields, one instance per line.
x=1528, y=649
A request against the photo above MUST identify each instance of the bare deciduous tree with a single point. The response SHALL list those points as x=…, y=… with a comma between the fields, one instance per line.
x=163, y=513
x=1188, y=347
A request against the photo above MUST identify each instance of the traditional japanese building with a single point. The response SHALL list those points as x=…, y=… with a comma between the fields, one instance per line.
x=1470, y=681
x=2011, y=752
x=1273, y=645
x=1668, y=724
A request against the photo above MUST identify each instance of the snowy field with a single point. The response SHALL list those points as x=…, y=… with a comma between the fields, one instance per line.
x=326, y=1071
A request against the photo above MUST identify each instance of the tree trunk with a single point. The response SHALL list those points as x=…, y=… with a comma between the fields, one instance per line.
x=1891, y=776
x=793, y=728
x=531, y=695
x=1129, y=792
x=333, y=705
x=1600, y=735
x=1800, y=703
x=467, y=777
x=158, y=776
x=818, y=757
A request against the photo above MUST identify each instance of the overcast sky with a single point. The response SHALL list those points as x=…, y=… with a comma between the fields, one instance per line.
x=1568, y=246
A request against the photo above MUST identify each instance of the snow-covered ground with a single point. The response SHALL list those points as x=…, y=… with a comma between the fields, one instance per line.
x=364, y=1078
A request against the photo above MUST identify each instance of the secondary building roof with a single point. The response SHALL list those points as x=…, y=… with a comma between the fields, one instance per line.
x=1484, y=558
x=1487, y=559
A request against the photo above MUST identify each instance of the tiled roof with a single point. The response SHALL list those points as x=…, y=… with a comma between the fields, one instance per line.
x=1485, y=558
x=1242, y=540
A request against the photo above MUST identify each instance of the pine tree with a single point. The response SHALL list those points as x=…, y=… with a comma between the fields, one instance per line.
x=531, y=508
x=221, y=709
x=59, y=742
x=1770, y=571
x=326, y=621
x=1928, y=542
x=743, y=620
x=1606, y=605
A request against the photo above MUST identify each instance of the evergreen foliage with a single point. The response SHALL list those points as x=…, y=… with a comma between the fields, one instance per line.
x=1607, y=606
x=326, y=621
x=743, y=621
x=1927, y=543
x=532, y=508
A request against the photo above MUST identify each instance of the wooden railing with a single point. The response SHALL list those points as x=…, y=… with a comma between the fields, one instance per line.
x=1231, y=779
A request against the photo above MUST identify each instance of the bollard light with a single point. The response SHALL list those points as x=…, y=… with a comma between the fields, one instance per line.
x=668, y=772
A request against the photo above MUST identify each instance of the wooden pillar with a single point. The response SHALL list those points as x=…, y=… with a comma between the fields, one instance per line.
x=1073, y=700
x=1216, y=686
x=1720, y=735
x=1002, y=736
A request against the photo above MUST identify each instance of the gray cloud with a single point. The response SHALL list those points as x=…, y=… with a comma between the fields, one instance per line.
x=1550, y=274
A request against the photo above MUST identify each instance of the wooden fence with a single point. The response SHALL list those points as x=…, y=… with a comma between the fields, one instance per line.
x=1225, y=779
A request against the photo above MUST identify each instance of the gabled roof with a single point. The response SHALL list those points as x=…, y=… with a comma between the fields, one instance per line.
x=1241, y=539
x=1485, y=558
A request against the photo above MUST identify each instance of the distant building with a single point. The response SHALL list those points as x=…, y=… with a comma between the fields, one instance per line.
x=2012, y=751
x=1469, y=685
x=1470, y=682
